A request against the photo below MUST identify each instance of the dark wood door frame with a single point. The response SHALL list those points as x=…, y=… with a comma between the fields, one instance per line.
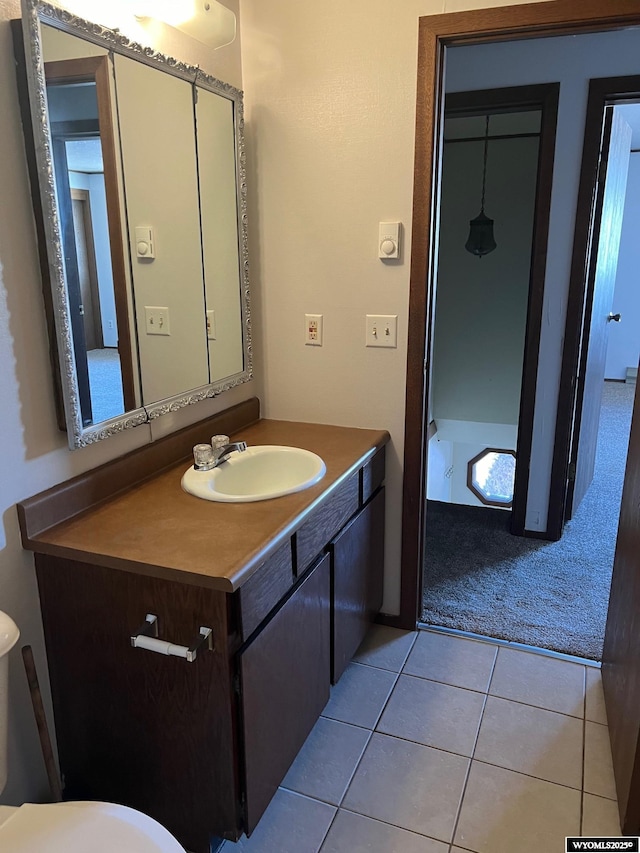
x=603, y=92
x=436, y=34
x=545, y=98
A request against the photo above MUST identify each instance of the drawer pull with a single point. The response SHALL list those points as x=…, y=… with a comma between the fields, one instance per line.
x=146, y=637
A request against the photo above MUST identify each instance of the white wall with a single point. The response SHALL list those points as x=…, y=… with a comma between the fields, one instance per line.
x=623, y=348
x=33, y=453
x=571, y=60
x=330, y=94
x=161, y=190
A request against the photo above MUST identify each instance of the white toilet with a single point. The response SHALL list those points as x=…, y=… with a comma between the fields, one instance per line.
x=69, y=827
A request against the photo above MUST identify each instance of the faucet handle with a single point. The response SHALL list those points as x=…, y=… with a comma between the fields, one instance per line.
x=203, y=457
x=219, y=441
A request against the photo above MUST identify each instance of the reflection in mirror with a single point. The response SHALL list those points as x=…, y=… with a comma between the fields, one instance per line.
x=161, y=185
x=217, y=176
x=84, y=152
x=142, y=203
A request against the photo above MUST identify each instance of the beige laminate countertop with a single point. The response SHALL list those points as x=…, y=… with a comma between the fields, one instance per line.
x=155, y=528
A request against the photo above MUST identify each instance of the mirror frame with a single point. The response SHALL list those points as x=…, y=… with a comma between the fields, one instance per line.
x=35, y=13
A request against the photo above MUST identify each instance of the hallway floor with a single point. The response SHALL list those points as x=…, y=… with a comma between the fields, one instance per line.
x=434, y=743
x=553, y=595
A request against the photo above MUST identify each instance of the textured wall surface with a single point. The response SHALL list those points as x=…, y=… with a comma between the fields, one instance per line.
x=330, y=91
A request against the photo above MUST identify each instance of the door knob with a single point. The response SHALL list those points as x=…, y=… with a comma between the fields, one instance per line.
x=615, y=317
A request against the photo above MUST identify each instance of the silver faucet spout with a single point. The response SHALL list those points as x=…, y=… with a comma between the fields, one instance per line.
x=223, y=452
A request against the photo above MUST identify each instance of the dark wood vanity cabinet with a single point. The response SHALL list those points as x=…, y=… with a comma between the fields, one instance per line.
x=357, y=566
x=284, y=682
x=203, y=746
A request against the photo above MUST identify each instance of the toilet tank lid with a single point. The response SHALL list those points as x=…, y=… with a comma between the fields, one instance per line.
x=78, y=827
x=8, y=633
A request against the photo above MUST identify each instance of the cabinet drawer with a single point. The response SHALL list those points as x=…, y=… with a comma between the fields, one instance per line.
x=265, y=588
x=326, y=521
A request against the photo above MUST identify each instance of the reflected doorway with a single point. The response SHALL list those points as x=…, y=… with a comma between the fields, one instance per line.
x=84, y=157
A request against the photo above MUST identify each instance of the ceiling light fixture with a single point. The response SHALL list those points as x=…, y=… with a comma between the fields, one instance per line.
x=207, y=21
x=481, y=240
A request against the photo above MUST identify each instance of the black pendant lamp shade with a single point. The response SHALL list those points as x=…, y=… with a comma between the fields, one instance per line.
x=481, y=240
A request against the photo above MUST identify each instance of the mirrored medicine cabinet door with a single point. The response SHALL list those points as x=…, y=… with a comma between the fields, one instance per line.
x=142, y=197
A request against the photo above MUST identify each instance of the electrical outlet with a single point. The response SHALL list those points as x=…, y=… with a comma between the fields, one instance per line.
x=157, y=320
x=313, y=330
x=381, y=330
x=211, y=324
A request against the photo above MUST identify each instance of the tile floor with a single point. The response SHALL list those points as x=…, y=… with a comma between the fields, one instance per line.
x=433, y=743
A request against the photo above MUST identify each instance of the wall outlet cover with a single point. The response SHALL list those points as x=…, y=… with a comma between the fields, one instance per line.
x=313, y=330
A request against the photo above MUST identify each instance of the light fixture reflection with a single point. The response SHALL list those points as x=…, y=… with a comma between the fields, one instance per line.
x=207, y=21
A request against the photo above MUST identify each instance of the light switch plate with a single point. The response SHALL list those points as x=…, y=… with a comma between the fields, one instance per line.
x=382, y=330
x=211, y=324
x=157, y=320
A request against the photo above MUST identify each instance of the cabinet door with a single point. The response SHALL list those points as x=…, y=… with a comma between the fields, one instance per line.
x=285, y=685
x=356, y=579
x=134, y=727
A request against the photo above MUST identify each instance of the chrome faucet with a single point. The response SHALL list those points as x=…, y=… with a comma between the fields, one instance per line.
x=222, y=448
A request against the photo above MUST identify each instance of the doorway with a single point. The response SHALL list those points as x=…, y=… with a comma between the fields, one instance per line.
x=488, y=304
x=476, y=576
x=84, y=152
x=621, y=660
x=438, y=35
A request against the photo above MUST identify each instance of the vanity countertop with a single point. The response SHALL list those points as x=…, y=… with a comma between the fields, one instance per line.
x=156, y=528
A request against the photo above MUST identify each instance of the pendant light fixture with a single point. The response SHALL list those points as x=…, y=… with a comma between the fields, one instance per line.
x=481, y=241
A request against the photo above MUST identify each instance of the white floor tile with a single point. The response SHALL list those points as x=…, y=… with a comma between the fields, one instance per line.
x=327, y=761
x=594, y=700
x=600, y=817
x=507, y=812
x=408, y=785
x=291, y=824
x=434, y=714
x=452, y=660
x=546, y=682
x=385, y=647
x=360, y=695
x=598, y=766
x=531, y=740
x=353, y=833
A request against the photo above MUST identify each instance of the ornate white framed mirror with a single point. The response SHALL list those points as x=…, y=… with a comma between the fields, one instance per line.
x=141, y=211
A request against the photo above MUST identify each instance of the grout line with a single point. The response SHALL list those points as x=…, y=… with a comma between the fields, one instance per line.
x=473, y=752
x=444, y=683
x=492, y=673
x=528, y=775
x=537, y=707
x=426, y=745
x=395, y=825
x=355, y=769
x=324, y=837
x=386, y=702
x=584, y=752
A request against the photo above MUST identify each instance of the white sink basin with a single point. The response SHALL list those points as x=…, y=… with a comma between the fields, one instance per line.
x=257, y=474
